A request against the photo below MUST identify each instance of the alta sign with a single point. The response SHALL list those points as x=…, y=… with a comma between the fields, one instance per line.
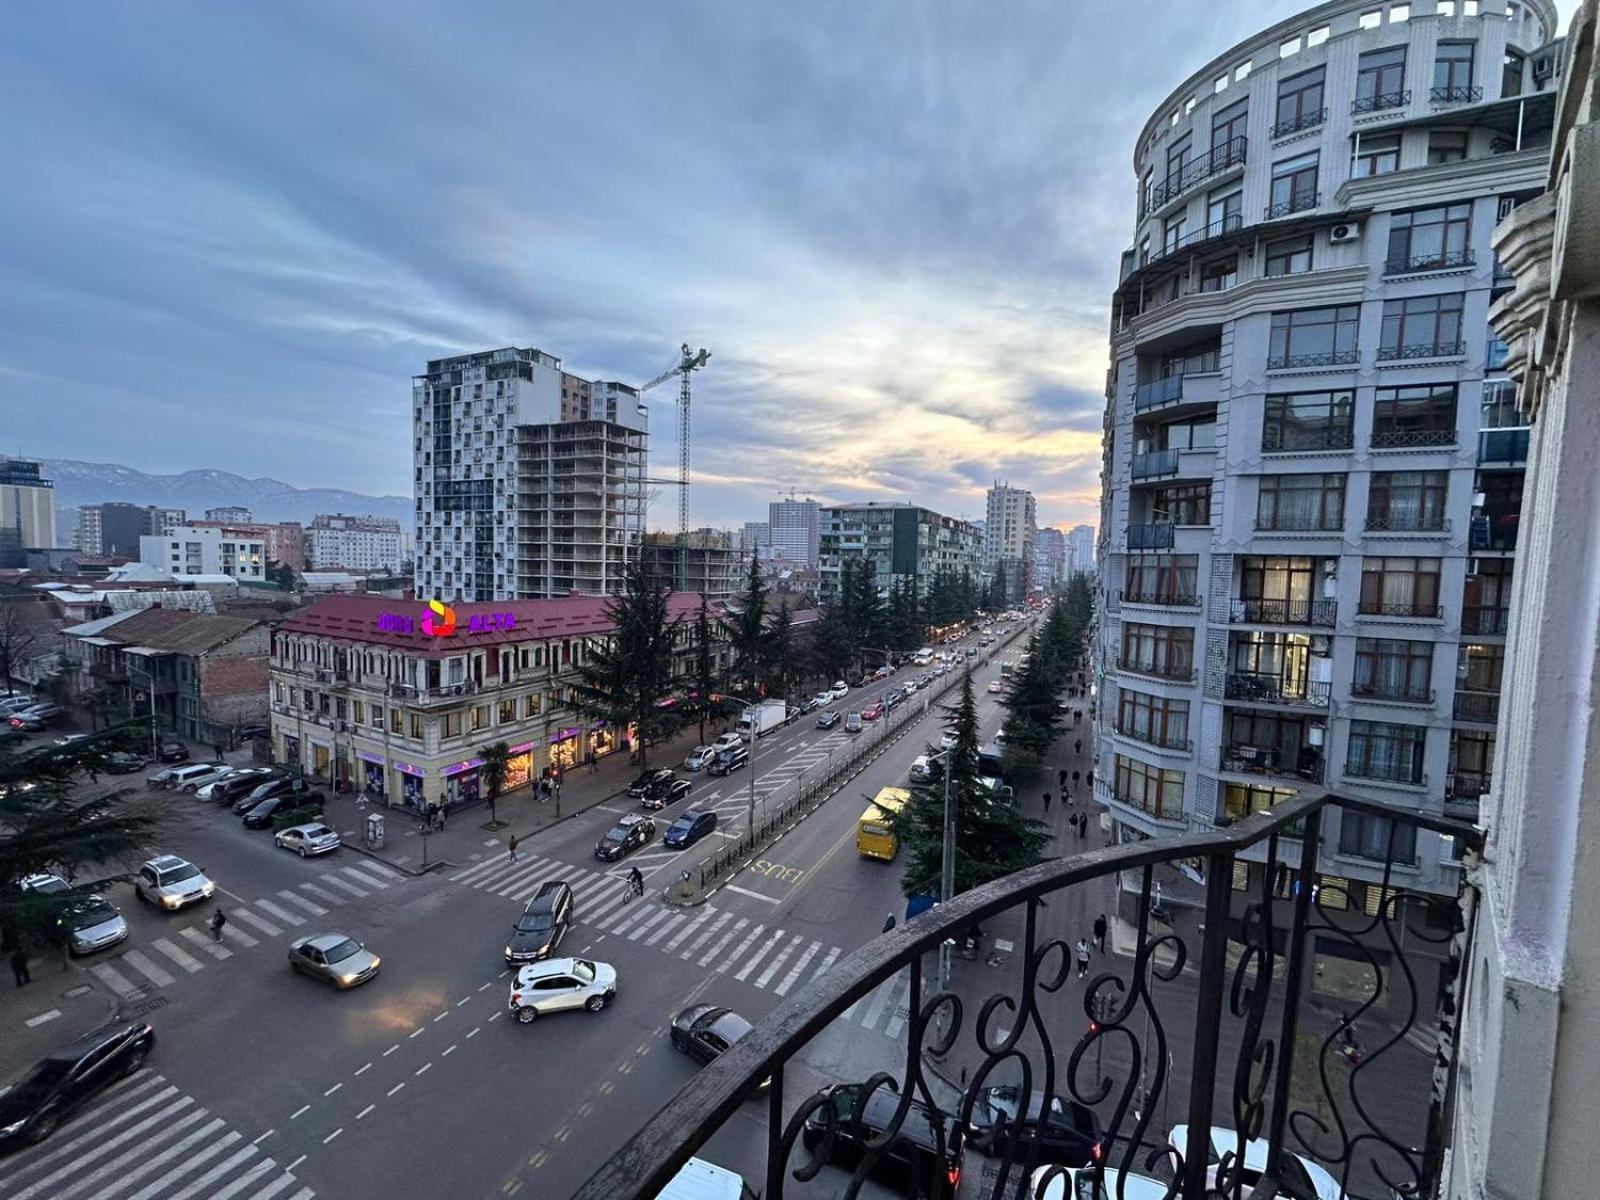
x=440, y=621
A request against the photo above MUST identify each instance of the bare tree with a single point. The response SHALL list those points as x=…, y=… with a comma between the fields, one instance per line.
x=18, y=637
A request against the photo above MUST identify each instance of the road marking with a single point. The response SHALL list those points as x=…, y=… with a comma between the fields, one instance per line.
x=451, y=1050
x=75, y=1154
x=427, y=1066
x=755, y=959
x=466, y=999
x=512, y=1187
x=33, y=1022
x=665, y=928
x=828, y=962
x=255, y=922
x=777, y=963
x=333, y=1135
x=439, y=1018
x=115, y=980
x=295, y=1163
x=225, y=1167
x=800, y=965
x=235, y=934
x=153, y=1164
x=364, y=1070
x=332, y=1090
x=148, y=969
x=739, y=950
x=316, y=910
x=321, y=893
x=537, y=1160
x=363, y=878
x=304, y=1108
x=486, y=986
x=734, y=887
x=201, y=942
x=397, y=1087
x=283, y=914
x=263, y=1137
x=334, y=881
x=416, y=1031
x=495, y=1016
x=706, y=914
x=709, y=932
x=474, y=1032
x=365, y=1111
x=183, y=958
x=605, y=1087
x=391, y=1050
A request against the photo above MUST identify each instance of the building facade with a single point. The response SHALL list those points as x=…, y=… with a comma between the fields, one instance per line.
x=115, y=528
x=1314, y=461
x=207, y=550
x=367, y=691
x=901, y=541
x=1080, y=550
x=1009, y=526
x=230, y=514
x=1049, y=557
x=794, y=530
x=354, y=543
x=706, y=562
x=755, y=540
x=529, y=480
x=27, y=511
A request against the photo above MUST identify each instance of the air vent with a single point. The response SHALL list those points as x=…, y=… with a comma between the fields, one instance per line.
x=1345, y=233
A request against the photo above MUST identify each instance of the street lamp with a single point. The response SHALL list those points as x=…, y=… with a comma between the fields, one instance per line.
x=947, y=865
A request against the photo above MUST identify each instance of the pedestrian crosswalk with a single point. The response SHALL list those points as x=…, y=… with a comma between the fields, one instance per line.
x=145, y=1139
x=772, y=959
x=190, y=949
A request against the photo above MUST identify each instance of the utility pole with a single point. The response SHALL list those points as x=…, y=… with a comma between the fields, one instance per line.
x=947, y=871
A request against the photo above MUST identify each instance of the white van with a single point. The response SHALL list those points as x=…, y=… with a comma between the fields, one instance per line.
x=701, y=1180
x=923, y=657
x=921, y=769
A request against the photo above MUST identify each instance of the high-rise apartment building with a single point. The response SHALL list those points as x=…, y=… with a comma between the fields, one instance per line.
x=1049, y=557
x=1080, y=549
x=1009, y=525
x=334, y=540
x=704, y=561
x=794, y=530
x=284, y=541
x=214, y=549
x=115, y=528
x=755, y=540
x=530, y=480
x=27, y=510
x=230, y=514
x=1313, y=458
x=899, y=540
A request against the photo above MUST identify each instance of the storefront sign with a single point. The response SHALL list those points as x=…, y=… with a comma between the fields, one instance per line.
x=472, y=764
x=522, y=747
x=564, y=735
x=365, y=756
x=408, y=769
x=440, y=621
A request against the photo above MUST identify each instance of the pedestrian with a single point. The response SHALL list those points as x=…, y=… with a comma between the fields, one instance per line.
x=218, y=920
x=19, y=966
x=443, y=813
x=1083, y=826
x=1089, y=778
x=1100, y=932
x=1074, y=779
x=511, y=847
x=1061, y=778
x=594, y=762
x=1077, y=717
x=1047, y=803
x=1083, y=957
x=1077, y=746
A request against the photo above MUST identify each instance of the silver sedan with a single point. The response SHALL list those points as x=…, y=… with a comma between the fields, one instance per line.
x=340, y=960
x=311, y=838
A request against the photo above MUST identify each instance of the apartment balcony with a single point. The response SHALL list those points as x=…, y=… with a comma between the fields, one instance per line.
x=1477, y=708
x=1155, y=463
x=1288, y=523
x=1304, y=121
x=1167, y=674
x=1414, y=439
x=1455, y=95
x=1503, y=447
x=1387, y=772
x=1393, y=693
x=1320, y=613
x=1493, y=533
x=1440, y=260
x=1278, y=439
x=1331, y=359
x=1415, y=350
x=1255, y=687
x=1165, y=599
x=1265, y=760
x=1207, y=165
x=1382, y=102
x=1407, y=522
x=1297, y=203
x=1199, y=1038
x=1171, y=745
x=1466, y=787
x=1151, y=536
x=1477, y=620
x=1415, y=611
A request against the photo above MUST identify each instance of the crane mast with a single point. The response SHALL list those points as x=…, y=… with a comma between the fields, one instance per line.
x=688, y=362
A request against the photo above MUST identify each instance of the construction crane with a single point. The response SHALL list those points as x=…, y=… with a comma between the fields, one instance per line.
x=688, y=362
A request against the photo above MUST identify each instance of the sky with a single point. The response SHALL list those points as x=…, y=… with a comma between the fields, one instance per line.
x=231, y=233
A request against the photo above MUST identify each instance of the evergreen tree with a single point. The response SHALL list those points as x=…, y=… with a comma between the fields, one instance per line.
x=705, y=673
x=992, y=837
x=903, y=626
x=864, y=610
x=781, y=655
x=624, y=678
x=1032, y=718
x=749, y=630
x=828, y=652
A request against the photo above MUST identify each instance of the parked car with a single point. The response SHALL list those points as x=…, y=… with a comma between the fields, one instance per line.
x=248, y=733
x=163, y=778
x=822, y=700
x=1071, y=1183
x=334, y=958
x=121, y=762
x=827, y=719
x=922, y=1151
x=1300, y=1175
x=92, y=923
x=170, y=883
x=910, y=686
x=699, y=758
x=43, y=711
x=692, y=825
x=561, y=983
x=730, y=759
x=642, y=784
x=44, y=883
x=666, y=790
x=36, y=1105
x=921, y=769
x=881, y=673
x=626, y=836
x=171, y=750
x=26, y=721
x=706, y=1031
x=261, y=815
x=196, y=777
x=995, y=687
x=239, y=780
x=15, y=702
x=71, y=739
x=731, y=738
x=543, y=923
x=260, y=792
x=893, y=698
x=852, y=722
x=1070, y=1133
x=839, y=690
x=308, y=839
x=872, y=711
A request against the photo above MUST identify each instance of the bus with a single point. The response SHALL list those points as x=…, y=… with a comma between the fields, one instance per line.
x=875, y=836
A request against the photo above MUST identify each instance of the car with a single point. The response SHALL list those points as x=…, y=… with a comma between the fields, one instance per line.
x=827, y=719
x=121, y=762
x=239, y=780
x=911, y=685
x=921, y=769
x=626, y=836
x=1071, y=1183
x=44, y=883
x=881, y=673
x=171, y=750
x=543, y=923
x=163, y=778
x=642, y=784
x=171, y=883
x=1300, y=1176
x=706, y=1031
x=947, y=740
x=561, y=983
x=665, y=791
x=26, y=721
x=872, y=711
x=44, y=712
x=305, y=840
x=261, y=815
x=1071, y=1133
x=893, y=699
x=692, y=825
x=852, y=722
x=335, y=958
x=972, y=652
x=995, y=687
x=71, y=739
x=192, y=779
x=919, y=1153
x=92, y=923
x=822, y=700
x=699, y=758
x=730, y=759
x=36, y=1105
x=250, y=733
x=260, y=792
x=839, y=690
x=731, y=738
x=15, y=703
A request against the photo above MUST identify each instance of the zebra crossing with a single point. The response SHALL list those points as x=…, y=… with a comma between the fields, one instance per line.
x=190, y=949
x=144, y=1139
x=769, y=958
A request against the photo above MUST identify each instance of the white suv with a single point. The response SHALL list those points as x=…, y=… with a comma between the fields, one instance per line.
x=561, y=983
x=727, y=741
x=193, y=776
x=171, y=883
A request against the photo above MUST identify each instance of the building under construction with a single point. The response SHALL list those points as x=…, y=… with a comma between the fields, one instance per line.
x=704, y=560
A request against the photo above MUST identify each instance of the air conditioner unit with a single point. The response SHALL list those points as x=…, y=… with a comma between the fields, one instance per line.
x=1348, y=232
x=1544, y=66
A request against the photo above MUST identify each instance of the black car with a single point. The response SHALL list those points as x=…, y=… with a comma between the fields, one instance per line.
x=649, y=779
x=120, y=762
x=729, y=759
x=893, y=697
x=665, y=791
x=827, y=720
x=919, y=1161
x=171, y=750
x=542, y=925
x=626, y=836
x=261, y=815
x=1070, y=1135
x=261, y=791
x=237, y=786
x=706, y=1031
x=48, y=1094
x=252, y=732
x=690, y=827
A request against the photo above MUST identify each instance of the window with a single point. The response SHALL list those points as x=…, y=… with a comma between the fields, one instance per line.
x=1172, y=233
x=1242, y=799
x=1452, y=73
x=507, y=713
x=1421, y=327
x=1377, y=155
x=1162, y=579
x=1511, y=75
x=1471, y=763
x=530, y=705
x=1400, y=587
x=452, y=724
x=1264, y=741
x=1479, y=668
x=1386, y=750
x=1224, y=211
x=1227, y=131
x=416, y=727
x=1177, y=159
x=1309, y=421
x=1189, y=435
x=1153, y=719
x=1366, y=835
x=1380, y=80
x=1281, y=658
x=1241, y=72
x=1317, y=36
x=1390, y=669
x=1486, y=598
x=1289, y=47
x=396, y=722
x=1314, y=337
x=1446, y=146
x=1294, y=185
x=377, y=716
x=1144, y=193
x=1219, y=274
x=1289, y=256
x=1428, y=238
x=1152, y=789
x=1158, y=650
x=1185, y=504
x=1192, y=360
x=1371, y=20
x=1300, y=502
x=1414, y=416
x=1299, y=103
x=1407, y=500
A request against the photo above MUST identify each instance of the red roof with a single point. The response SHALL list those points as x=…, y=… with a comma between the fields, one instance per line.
x=353, y=617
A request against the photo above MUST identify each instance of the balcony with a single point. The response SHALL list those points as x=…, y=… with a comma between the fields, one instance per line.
x=1416, y=611
x=1204, y=234
x=1166, y=599
x=1478, y=708
x=1258, y=760
x=1503, y=447
x=1174, y=745
x=1211, y=163
x=1299, y=202
x=1455, y=95
x=1421, y=350
x=1494, y=533
x=1157, y=536
x=1476, y=619
x=1466, y=787
x=1158, y=392
x=1333, y=358
x=1407, y=522
x=1172, y=674
x=1281, y=439
x=1202, y=1043
x=1304, y=121
x=1439, y=261
x=1414, y=439
x=1393, y=693
x=1255, y=687
x=1154, y=463
x=1389, y=772
x=1321, y=613
x=1381, y=102
x=1307, y=523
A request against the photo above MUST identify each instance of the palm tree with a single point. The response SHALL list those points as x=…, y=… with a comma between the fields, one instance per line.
x=496, y=764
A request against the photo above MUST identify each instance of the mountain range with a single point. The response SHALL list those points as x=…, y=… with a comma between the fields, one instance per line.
x=79, y=483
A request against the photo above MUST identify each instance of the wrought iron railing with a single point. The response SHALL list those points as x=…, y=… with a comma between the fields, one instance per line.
x=1279, y=438
x=1334, y=358
x=1155, y=462
x=1463, y=787
x=1283, y=612
x=1212, y=162
x=1478, y=619
x=1299, y=202
x=1455, y=95
x=1379, y=102
x=1494, y=533
x=1306, y=120
x=1402, y=521
x=1259, y=687
x=1174, y=674
x=1438, y=260
x=1397, y=439
x=1421, y=350
x=1235, y=1042
x=1218, y=228
x=1418, y=610
x=1150, y=536
x=1478, y=707
x=1169, y=598
x=1398, y=693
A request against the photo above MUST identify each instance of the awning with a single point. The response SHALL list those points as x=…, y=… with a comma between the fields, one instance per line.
x=99, y=641
x=145, y=651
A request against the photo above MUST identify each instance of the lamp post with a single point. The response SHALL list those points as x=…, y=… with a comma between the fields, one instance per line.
x=947, y=867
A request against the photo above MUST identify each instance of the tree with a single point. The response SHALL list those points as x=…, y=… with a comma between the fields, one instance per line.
x=863, y=607
x=749, y=630
x=903, y=627
x=705, y=675
x=1032, y=719
x=828, y=650
x=625, y=677
x=992, y=837
x=496, y=765
x=18, y=637
x=280, y=575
